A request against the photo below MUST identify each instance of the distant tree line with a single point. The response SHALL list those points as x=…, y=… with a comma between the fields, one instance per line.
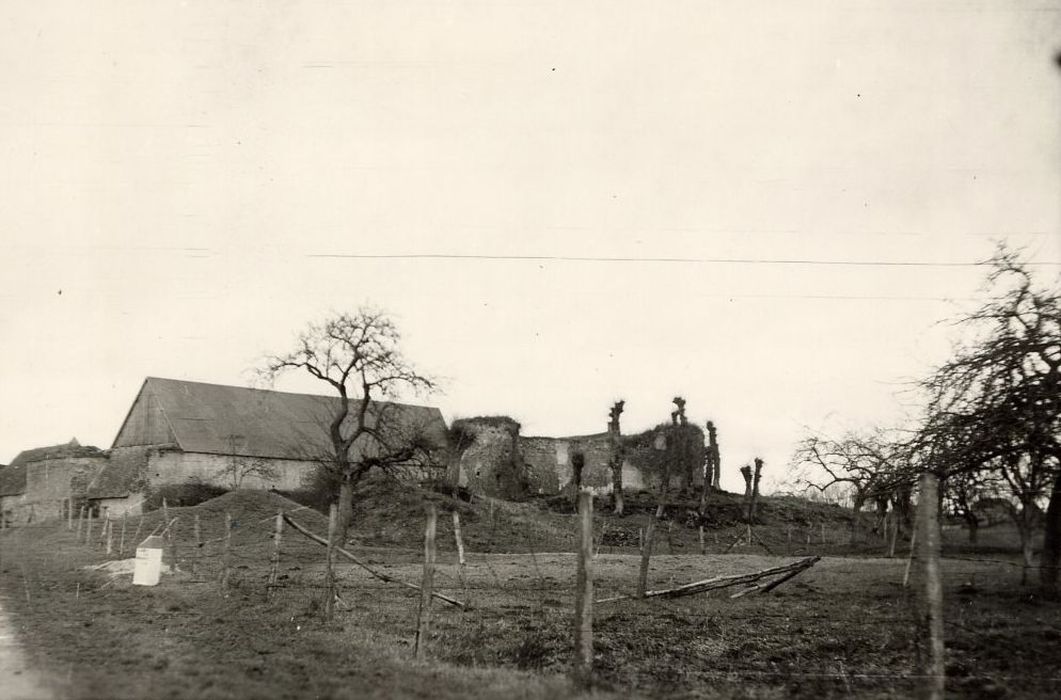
x=989, y=425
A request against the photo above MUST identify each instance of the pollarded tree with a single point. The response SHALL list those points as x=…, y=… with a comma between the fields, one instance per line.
x=616, y=455
x=359, y=356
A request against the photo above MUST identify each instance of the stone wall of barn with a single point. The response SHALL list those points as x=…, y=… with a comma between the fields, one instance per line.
x=176, y=467
x=133, y=504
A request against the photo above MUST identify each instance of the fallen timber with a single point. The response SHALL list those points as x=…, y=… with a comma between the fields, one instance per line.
x=784, y=573
x=381, y=576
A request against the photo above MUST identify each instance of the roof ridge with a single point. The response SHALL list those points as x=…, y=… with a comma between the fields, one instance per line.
x=279, y=391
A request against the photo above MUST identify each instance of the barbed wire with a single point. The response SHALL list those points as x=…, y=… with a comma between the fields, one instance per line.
x=301, y=574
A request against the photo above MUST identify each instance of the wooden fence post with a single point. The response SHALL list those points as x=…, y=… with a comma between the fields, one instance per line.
x=274, y=568
x=70, y=513
x=88, y=530
x=646, y=552
x=823, y=532
x=105, y=518
x=582, y=672
x=226, y=554
x=110, y=536
x=423, y=623
x=165, y=533
x=197, y=532
x=80, y=522
x=457, y=536
x=329, y=566
x=703, y=546
x=174, y=543
x=121, y=540
x=460, y=553
x=136, y=535
x=930, y=594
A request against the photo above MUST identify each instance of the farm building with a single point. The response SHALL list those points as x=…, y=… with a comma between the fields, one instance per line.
x=42, y=482
x=179, y=432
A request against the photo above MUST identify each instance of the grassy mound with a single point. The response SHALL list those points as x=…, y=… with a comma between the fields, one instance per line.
x=389, y=513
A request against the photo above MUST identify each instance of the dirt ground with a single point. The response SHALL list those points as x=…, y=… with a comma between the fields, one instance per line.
x=843, y=628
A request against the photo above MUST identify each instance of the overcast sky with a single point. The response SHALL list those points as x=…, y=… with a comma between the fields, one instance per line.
x=650, y=190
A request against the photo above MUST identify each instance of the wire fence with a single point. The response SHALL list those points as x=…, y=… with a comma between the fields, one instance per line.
x=517, y=606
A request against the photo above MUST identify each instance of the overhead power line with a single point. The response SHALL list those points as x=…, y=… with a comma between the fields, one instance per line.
x=682, y=260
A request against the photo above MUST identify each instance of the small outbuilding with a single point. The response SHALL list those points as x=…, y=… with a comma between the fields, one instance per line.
x=41, y=483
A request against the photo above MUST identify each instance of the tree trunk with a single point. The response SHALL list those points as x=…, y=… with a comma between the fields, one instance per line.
x=678, y=455
x=880, y=522
x=974, y=527
x=1051, y=541
x=578, y=463
x=615, y=444
x=746, y=472
x=713, y=460
x=755, y=489
x=1024, y=527
x=346, y=506
x=664, y=487
x=617, y=487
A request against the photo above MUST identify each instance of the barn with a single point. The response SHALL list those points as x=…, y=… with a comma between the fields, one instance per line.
x=180, y=431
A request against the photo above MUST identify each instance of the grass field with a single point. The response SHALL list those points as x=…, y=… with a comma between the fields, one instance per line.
x=843, y=628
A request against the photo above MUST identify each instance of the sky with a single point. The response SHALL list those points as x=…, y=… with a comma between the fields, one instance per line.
x=765, y=207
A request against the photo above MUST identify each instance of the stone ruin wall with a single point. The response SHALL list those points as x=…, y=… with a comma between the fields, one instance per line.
x=50, y=484
x=502, y=463
x=548, y=459
x=491, y=463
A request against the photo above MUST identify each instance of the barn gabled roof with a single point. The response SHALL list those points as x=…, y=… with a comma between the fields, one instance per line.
x=219, y=419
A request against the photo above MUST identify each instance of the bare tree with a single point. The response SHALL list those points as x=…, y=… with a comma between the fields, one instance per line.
x=873, y=465
x=239, y=466
x=358, y=355
x=996, y=405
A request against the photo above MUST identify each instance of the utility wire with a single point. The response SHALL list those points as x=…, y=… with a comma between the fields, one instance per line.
x=684, y=260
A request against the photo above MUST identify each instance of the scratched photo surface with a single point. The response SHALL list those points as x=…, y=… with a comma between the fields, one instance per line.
x=530, y=349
